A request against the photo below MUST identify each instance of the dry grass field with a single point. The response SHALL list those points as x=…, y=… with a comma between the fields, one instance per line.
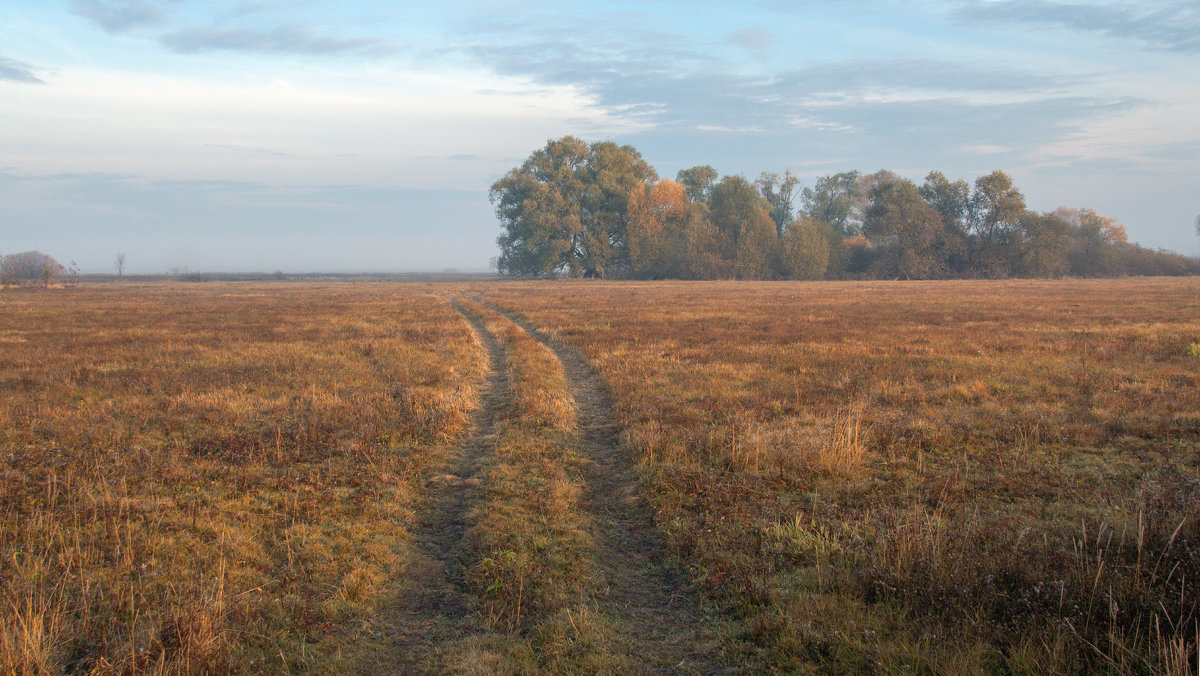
x=955, y=477
x=877, y=477
x=215, y=478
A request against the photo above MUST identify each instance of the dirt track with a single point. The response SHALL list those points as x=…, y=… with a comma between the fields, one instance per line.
x=659, y=625
x=663, y=631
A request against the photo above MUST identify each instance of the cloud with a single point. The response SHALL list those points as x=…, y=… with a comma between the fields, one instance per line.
x=686, y=81
x=921, y=74
x=857, y=95
x=729, y=130
x=17, y=71
x=1170, y=26
x=248, y=149
x=987, y=149
x=951, y=124
x=282, y=40
x=118, y=16
x=751, y=39
x=806, y=122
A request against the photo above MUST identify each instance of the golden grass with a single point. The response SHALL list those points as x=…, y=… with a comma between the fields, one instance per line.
x=214, y=478
x=943, y=477
x=937, y=477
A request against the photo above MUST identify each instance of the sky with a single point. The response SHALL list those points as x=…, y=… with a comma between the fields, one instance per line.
x=336, y=135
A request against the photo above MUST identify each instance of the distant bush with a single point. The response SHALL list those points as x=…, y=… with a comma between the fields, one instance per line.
x=30, y=266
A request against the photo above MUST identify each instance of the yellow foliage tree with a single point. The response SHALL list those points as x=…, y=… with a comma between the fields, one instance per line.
x=658, y=215
x=805, y=252
x=757, y=246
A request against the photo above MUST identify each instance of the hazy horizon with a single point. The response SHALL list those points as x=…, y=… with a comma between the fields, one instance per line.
x=238, y=136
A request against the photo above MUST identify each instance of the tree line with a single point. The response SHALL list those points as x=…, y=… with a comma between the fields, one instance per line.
x=601, y=210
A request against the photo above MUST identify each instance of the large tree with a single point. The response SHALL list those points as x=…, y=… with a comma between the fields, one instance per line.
x=831, y=201
x=996, y=209
x=1097, y=243
x=658, y=218
x=697, y=181
x=615, y=172
x=780, y=192
x=29, y=266
x=804, y=250
x=833, y=205
x=757, y=247
x=734, y=202
x=563, y=210
x=909, y=235
x=951, y=199
x=1043, y=242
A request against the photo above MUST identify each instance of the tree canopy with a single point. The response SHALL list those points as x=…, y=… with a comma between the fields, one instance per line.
x=564, y=209
x=29, y=266
x=600, y=210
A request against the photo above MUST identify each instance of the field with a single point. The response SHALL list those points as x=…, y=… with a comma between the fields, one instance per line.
x=201, y=479
x=877, y=477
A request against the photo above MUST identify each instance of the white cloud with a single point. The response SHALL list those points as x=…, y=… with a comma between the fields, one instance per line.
x=310, y=126
x=987, y=149
x=728, y=130
x=803, y=122
x=1142, y=137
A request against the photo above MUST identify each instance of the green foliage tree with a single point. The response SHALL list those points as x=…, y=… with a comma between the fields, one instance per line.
x=615, y=172
x=733, y=203
x=1096, y=243
x=953, y=201
x=908, y=234
x=780, y=193
x=599, y=210
x=995, y=213
x=804, y=250
x=564, y=209
x=832, y=204
x=1042, y=245
x=702, y=249
x=540, y=207
x=832, y=201
x=757, y=246
x=697, y=181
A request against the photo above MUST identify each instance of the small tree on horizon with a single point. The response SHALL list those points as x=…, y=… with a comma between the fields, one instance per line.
x=30, y=266
x=120, y=264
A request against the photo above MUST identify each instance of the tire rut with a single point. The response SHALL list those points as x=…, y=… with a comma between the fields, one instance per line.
x=663, y=630
x=437, y=607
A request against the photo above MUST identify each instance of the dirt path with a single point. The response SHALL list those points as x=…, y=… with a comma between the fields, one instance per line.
x=436, y=608
x=662, y=630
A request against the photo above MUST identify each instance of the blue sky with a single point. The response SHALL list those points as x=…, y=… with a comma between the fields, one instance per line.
x=321, y=135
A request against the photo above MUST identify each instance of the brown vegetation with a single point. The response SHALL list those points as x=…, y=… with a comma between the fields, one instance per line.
x=939, y=477
x=946, y=477
x=218, y=478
